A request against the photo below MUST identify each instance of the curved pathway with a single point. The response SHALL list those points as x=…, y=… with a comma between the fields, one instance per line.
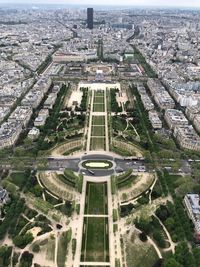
x=150, y=240
x=172, y=244
x=155, y=247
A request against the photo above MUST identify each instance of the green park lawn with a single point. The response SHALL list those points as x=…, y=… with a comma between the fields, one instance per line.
x=98, y=107
x=98, y=120
x=140, y=254
x=18, y=178
x=98, y=131
x=98, y=94
x=97, y=164
x=96, y=198
x=97, y=143
x=99, y=99
x=95, y=246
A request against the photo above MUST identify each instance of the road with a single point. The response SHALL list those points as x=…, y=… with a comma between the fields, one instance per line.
x=119, y=165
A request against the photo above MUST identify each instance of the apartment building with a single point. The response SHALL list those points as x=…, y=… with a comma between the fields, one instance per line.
x=50, y=101
x=147, y=103
x=34, y=133
x=155, y=120
x=196, y=122
x=175, y=118
x=187, y=138
x=164, y=100
x=60, y=57
x=161, y=96
x=9, y=133
x=192, y=204
x=22, y=114
x=192, y=111
x=42, y=117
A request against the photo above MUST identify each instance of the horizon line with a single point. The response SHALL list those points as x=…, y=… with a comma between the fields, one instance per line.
x=101, y=5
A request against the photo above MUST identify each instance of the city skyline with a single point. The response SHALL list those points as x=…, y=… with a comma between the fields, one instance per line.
x=170, y=3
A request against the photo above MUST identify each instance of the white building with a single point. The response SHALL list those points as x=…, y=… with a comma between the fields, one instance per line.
x=34, y=133
x=197, y=122
x=155, y=120
x=4, y=111
x=42, y=117
x=9, y=133
x=50, y=101
x=186, y=101
x=175, y=118
x=187, y=138
x=78, y=56
x=33, y=99
x=164, y=100
x=192, y=203
x=192, y=111
x=22, y=114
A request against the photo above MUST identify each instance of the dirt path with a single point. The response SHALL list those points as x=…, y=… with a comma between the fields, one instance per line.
x=56, y=249
x=155, y=247
x=172, y=244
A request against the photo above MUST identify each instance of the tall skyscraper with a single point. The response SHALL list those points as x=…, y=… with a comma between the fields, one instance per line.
x=90, y=18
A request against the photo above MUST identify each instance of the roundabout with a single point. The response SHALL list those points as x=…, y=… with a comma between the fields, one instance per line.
x=97, y=164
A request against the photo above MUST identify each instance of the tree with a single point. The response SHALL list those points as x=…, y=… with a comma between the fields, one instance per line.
x=171, y=262
x=18, y=164
x=42, y=163
x=37, y=190
x=19, y=151
x=143, y=237
x=28, y=143
x=21, y=241
x=170, y=223
x=159, y=238
x=26, y=259
x=196, y=253
x=5, y=253
x=143, y=225
x=115, y=215
x=36, y=248
x=162, y=212
x=183, y=255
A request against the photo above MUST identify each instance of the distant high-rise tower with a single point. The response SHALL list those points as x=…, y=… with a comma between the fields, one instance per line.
x=90, y=18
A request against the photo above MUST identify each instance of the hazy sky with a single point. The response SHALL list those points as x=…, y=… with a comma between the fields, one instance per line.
x=182, y=3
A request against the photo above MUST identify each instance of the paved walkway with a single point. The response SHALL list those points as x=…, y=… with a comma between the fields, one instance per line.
x=96, y=215
x=110, y=225
x=90, y=123
x=80, y=226
x=155, y=247
x=99, y=113
x=117, y=243
x=86, y=263
x=106, y=122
